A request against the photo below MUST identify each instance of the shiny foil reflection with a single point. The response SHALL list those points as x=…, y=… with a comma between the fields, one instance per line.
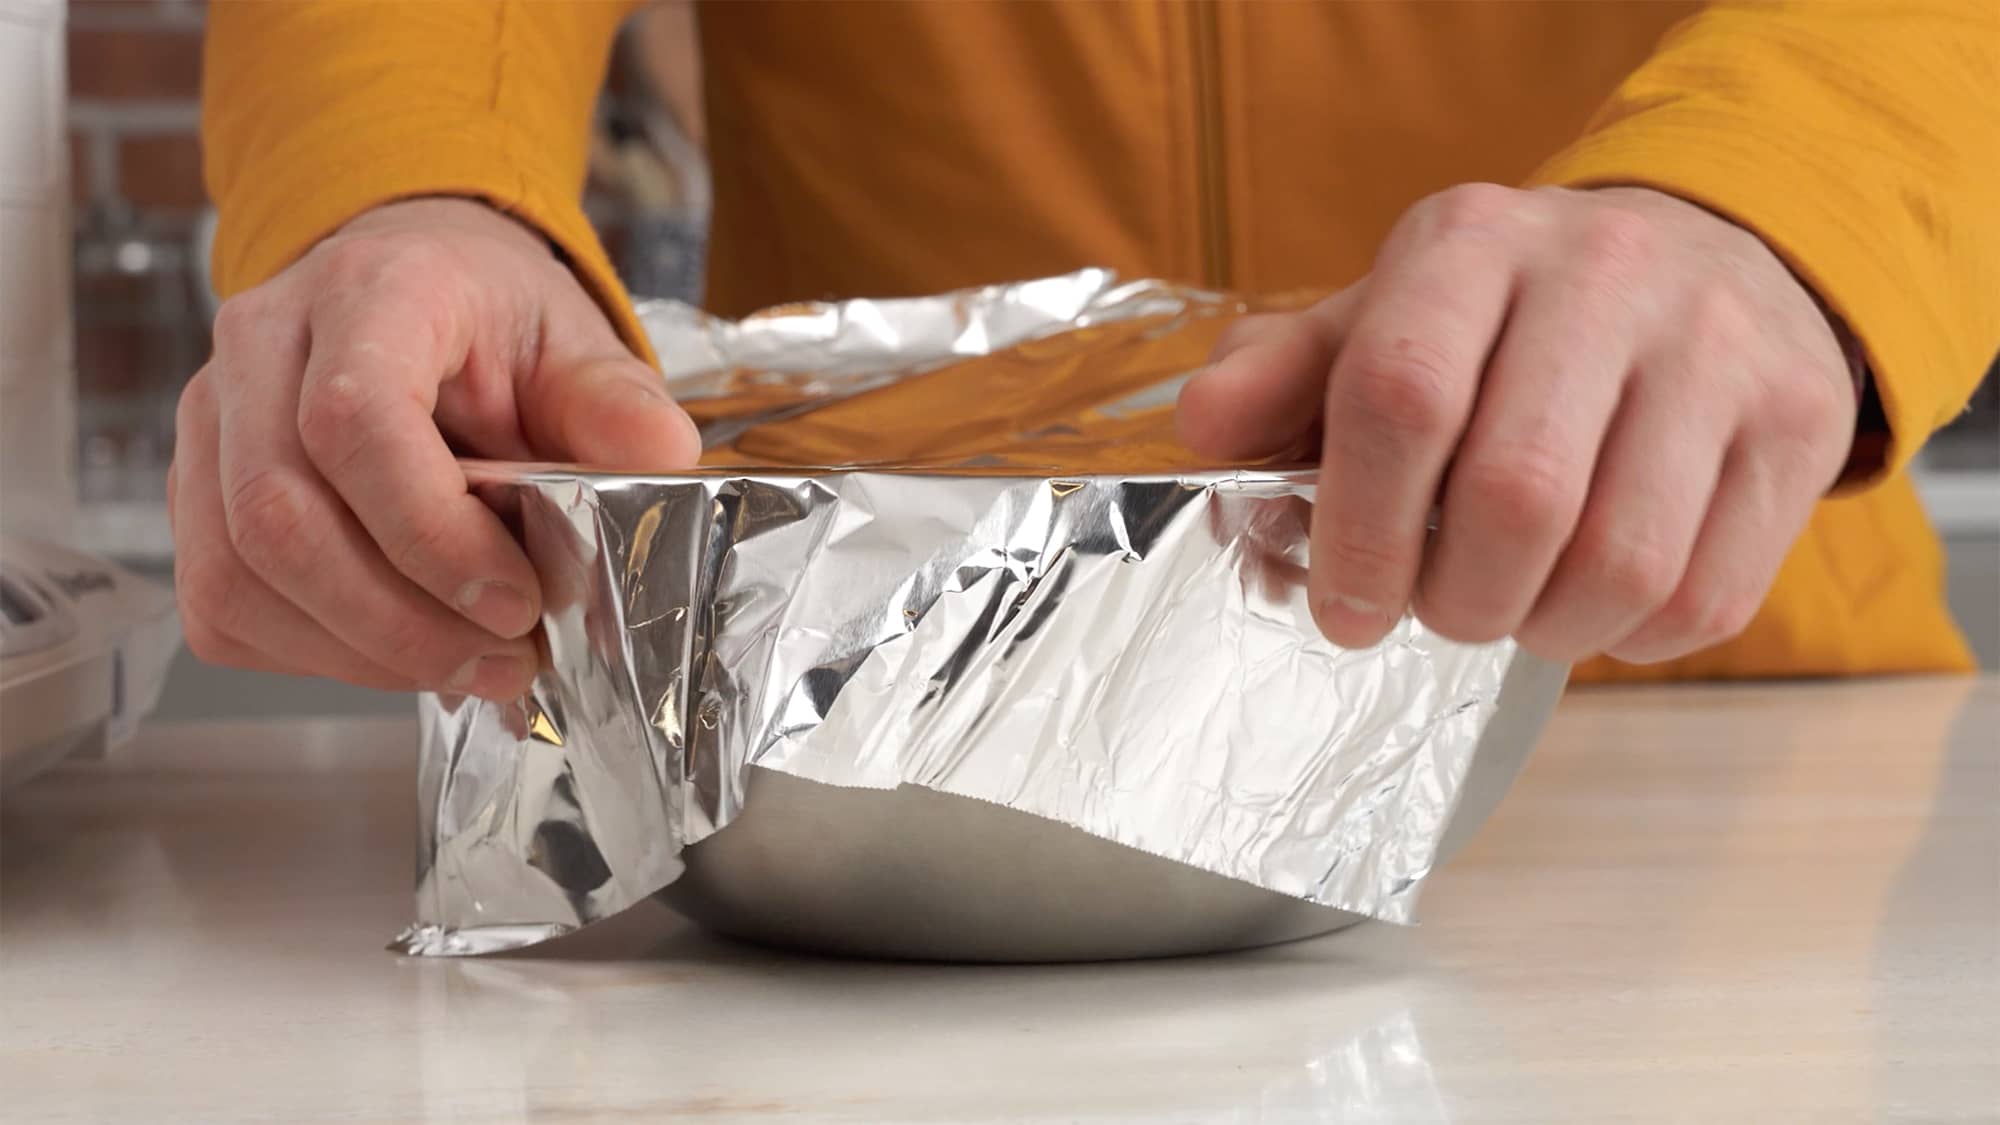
x=1129, y=653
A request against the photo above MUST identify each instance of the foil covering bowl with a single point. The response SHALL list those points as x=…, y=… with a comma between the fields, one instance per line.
x=949, y=650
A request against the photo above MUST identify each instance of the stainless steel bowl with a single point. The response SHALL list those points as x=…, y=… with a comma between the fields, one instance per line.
x=914, y=873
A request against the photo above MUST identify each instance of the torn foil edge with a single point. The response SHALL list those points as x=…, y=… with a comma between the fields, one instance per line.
x=1046, y=645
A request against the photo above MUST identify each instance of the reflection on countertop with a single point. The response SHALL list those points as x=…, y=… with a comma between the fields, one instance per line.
x=1716, y=904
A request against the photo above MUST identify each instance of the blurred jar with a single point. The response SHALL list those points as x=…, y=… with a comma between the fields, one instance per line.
x=650, y=194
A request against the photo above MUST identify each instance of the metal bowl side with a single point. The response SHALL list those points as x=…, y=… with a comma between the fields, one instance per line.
x=913, y=873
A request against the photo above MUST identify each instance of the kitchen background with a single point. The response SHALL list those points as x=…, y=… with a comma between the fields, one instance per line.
x=142, y=303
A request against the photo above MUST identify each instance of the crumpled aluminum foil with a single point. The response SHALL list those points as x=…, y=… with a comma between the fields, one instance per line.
x=1129, y=653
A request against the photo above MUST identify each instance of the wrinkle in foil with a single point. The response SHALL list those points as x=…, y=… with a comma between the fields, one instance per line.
x=1130, y=654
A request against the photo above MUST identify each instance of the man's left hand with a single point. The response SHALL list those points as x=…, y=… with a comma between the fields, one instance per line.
x=1622, y=406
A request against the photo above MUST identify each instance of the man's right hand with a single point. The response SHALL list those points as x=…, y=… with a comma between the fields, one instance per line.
x=322, y=525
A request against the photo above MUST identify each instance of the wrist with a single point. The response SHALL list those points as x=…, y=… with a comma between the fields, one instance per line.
x=434, y=214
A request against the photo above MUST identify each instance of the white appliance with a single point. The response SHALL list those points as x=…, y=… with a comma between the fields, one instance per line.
x=37, y=364
x=84, y=644
x=84, y=649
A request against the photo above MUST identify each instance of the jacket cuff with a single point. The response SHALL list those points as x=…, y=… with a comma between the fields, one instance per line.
x=316, y=187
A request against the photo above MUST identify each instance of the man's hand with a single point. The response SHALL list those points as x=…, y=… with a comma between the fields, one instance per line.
x=1623, y=406
x=321, y=523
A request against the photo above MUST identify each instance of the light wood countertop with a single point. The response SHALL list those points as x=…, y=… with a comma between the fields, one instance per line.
x=1751, y=904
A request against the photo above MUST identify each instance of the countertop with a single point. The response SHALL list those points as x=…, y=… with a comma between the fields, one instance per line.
x=1775, y=904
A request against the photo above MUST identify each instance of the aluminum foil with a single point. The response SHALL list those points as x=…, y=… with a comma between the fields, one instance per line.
x=1005, y=609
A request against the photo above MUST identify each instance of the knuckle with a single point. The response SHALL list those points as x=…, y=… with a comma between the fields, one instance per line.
x=1697, y=619
x=1723, y=617
x=1734, y=614
x=352, y=258
x=1634, y=573
x=196, y=405
x=406, y=640
x=1363, y=563
x=1529, y=488
x=1245, y=331
x=411, y=644
x=1831, y=399
x=377, y=260
x=1470, y=207
x=1676, y=623
x=1718, y=316
x=1458, y=615
x=418, y=261
x=418, y=548
x=207, y=590
x=270, y=519
x=1404, y=389
x=208, y=645
x=1617, y=242
x=331, y=419
x=1807, y=405
x=1552, y=642
x=241, y=316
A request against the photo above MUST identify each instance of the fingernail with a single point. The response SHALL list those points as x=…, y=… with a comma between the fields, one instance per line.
x=694, y=440
x=498, y=608
x=493, y=676
x=687, y=423
x=1351, y=622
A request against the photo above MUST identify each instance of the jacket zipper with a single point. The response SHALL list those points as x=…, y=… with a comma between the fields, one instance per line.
x=1211, y=177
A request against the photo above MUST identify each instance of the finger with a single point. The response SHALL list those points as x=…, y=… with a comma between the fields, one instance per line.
x=223, y=603
x=1245, y=330
x=364, y=418
x=173, y=470
x=1272, y=539
x=1262, y=392
x=589, y=400
x=1518, y=480
x=329, y=658
x=609, y=411
x=1655, y=477
x=1397, y=400
x=1742, y=543
x=294, y=533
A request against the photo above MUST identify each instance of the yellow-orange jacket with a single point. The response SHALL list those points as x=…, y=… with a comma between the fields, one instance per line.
x=882, y=148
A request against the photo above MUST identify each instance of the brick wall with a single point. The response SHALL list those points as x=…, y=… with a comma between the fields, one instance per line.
x=135, y=163
x=135, y=87
x=142, y=308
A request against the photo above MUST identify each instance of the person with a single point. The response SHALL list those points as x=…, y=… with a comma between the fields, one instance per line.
x=1655, y=301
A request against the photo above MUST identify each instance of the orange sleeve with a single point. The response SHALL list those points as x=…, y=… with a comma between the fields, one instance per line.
x=1861, y=140
x=316, y=110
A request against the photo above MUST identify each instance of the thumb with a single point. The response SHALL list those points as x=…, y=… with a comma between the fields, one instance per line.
x=608, y=412
x=1262, y=393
